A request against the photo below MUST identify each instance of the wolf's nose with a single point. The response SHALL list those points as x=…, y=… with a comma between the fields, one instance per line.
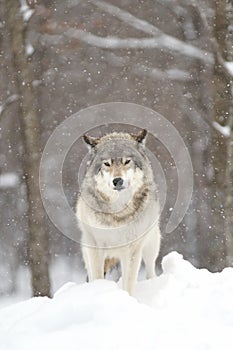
x=118, y=181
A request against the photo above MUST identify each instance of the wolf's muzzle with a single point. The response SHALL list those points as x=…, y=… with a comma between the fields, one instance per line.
x=118, y=183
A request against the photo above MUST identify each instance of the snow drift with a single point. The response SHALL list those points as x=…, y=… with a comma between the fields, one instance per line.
x=184, y=308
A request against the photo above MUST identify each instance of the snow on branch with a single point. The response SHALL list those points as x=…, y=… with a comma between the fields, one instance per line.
x=162, y=42
x=224, y=130
x=8, y=180
x=26, y=11
x=170, y=42
x=229, y=66
x=172, y=74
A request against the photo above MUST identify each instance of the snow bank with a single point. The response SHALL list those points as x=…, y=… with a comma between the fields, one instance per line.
x=184, y=308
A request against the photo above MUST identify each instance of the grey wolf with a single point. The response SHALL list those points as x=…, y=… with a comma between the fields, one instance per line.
x=118, y=208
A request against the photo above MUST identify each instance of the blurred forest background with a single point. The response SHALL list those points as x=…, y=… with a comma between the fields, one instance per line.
x=57, y=57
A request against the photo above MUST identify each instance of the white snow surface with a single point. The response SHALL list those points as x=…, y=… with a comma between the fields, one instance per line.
x=184, y=308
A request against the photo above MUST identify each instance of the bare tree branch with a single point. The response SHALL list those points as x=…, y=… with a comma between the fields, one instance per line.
x=196, y=117
x=148, y=28
x=156, y=73
x=126, y=17
x=11, y=99
x=215, y=45
x=224, y=130
x=158, y=40
x=162, y=42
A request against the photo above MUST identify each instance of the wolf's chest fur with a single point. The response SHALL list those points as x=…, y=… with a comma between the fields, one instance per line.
x=128, y=211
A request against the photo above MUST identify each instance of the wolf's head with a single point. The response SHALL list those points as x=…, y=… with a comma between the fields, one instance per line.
x=118, y=163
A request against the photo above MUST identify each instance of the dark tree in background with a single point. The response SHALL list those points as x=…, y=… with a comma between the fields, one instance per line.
x=224, y=25
x=30, y=127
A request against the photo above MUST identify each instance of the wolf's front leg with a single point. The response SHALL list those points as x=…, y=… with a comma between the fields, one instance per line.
x=94, y=263
x=151, y=250
x=130, y=266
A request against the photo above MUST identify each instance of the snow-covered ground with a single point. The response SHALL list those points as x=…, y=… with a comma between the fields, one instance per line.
x=184, y=308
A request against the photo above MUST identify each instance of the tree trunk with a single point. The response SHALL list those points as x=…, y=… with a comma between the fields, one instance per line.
x=229, y=162
x=221, y=146
x=38, y=239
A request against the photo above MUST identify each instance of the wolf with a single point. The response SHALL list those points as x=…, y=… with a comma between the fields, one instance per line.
x=118, y=208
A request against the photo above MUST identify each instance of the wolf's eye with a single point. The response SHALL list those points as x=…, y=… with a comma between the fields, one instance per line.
x=106, y=163
x=127, y=161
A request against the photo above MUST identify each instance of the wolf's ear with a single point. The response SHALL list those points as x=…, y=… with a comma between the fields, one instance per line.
x=140, y=137
x=91, y=141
